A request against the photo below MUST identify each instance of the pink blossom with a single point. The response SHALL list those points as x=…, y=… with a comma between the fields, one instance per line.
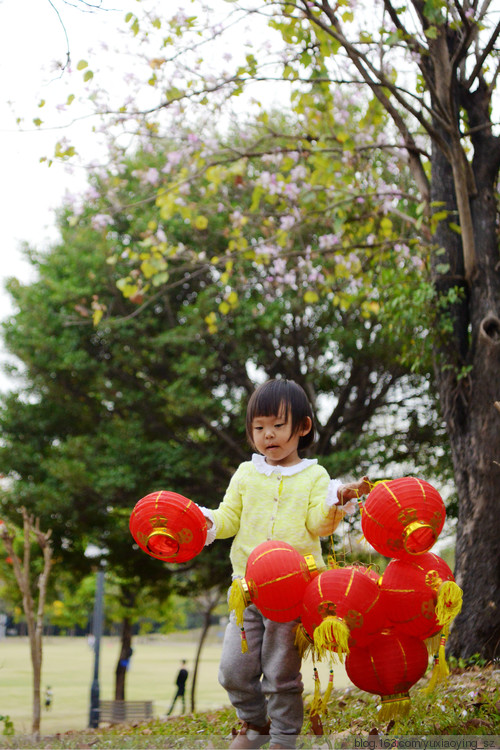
x=152, y=176
x=287, y=222
x=101, y=221
x=236, y=219
x=327, y=241
x=315, y=277
x=92, y=194
x=298, y=173
x=279, y=266
x=292, y=190
x=173, y=158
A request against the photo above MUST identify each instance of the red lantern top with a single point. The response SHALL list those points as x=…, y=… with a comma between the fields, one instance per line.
x=168, y=526
x=403, y=517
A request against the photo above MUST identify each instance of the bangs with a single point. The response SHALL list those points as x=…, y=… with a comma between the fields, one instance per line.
x=267, y=403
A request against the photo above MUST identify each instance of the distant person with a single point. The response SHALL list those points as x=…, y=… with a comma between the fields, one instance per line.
x=182, y=676
x=48, y=698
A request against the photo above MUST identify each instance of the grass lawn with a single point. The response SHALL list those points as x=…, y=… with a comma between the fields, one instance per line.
x=68, y=665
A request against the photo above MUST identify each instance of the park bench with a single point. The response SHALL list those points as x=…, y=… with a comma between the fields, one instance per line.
x=116, y=712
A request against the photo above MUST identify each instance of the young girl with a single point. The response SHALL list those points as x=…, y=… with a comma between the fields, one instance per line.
x=276, y=495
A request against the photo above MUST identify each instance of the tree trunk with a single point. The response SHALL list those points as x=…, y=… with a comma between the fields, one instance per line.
x=123, y=659
x=468, y=377
x=34, y=619
x=211, y=603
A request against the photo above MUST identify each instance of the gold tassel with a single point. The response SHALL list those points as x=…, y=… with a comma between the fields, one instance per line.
x=332, y=634
x=432, y=643
x=394, y=706
x=434, y=678
x=328, y=692
x=303, y=642
x=449, y=602
x=315, y=706
x=238, y=601
x=440, y=669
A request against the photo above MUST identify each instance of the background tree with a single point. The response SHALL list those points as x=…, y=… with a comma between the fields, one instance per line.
x=32, y=578
x=129, y=371
x=432, y=67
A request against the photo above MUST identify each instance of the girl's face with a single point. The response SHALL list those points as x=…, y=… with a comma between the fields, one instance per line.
x=272, y=437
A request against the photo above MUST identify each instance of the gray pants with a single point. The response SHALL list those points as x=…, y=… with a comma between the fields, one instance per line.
x=266, y=680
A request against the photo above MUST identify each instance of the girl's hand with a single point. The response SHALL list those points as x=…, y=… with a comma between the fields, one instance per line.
x=353, y=490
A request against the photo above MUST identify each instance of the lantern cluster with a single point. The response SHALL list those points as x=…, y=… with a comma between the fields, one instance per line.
x=402, y=519
x=380, y=625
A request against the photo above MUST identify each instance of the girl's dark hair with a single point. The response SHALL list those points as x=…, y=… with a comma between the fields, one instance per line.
x=274, y=396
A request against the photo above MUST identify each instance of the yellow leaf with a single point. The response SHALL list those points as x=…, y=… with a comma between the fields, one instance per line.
x=311, y=297
x=224, y=307
x=232, y=299
x=201, y=222
x=81, y=64
x=386, y=226
x=96, y=316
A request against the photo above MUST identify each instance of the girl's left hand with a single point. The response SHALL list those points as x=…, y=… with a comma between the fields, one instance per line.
x=353, y=490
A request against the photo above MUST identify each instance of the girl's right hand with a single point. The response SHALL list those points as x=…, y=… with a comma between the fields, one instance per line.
x=353, y=490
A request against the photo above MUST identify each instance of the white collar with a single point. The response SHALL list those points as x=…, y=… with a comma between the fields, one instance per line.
x=263, y=467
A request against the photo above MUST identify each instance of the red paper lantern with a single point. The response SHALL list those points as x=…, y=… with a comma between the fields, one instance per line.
x=403, y=517
x=410, y=590
x=168, y=526
x=388, y=666
x=275, y=579
x=341, y=607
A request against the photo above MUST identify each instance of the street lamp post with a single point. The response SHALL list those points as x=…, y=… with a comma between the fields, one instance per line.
x=97, y=631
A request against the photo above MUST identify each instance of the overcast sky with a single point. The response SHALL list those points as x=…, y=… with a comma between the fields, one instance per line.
x=32, y=37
